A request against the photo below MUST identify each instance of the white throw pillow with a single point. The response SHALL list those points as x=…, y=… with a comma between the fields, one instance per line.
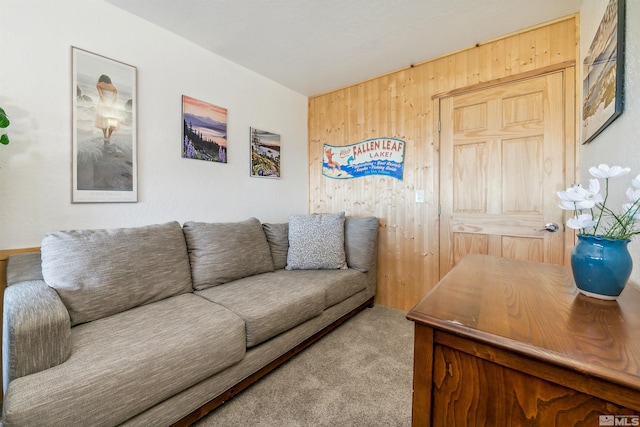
x=316, y=242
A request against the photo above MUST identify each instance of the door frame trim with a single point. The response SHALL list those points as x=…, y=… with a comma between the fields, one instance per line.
x=560, y=67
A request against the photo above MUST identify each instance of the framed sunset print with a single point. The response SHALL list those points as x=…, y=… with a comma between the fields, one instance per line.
x=204, y=131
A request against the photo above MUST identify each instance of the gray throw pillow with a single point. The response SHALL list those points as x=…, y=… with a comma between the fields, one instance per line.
x=222, y=252
x=316, y=242
x=98, y=273
x=278, y=238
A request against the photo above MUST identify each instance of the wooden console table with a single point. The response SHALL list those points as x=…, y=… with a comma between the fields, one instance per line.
x=510, y=343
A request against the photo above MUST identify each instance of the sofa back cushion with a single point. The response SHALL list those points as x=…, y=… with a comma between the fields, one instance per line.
x=360, y=240
x=278, y=238
x=98, y=273
x=222, y=252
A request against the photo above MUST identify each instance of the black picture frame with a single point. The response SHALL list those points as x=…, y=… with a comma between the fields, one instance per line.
x=603, y=73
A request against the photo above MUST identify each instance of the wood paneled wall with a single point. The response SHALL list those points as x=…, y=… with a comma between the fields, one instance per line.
x=401, y=105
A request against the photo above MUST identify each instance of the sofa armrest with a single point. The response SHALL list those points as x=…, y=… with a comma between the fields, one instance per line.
x=36, y=330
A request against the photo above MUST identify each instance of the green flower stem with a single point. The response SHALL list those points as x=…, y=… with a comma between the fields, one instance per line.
x=619, y=227
x=606, y=196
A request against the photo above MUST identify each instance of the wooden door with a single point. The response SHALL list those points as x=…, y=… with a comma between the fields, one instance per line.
x=502, y=162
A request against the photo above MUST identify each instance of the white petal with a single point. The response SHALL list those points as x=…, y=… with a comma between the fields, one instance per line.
x=633, y=194
x=568, y=205
x=616, y=171
x=581, y=221
x=602, y=171
x=598, y=198
x=585, y=204
x=586, y=221
x=563, y=195
x=573, y=194
x=573, y=223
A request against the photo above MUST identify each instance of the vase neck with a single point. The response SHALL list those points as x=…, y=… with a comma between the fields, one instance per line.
x=595, y=238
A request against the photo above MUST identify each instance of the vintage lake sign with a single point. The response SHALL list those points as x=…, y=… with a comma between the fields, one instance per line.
x=378, y=156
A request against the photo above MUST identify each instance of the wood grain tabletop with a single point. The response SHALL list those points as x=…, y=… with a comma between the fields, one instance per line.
x=536, y=310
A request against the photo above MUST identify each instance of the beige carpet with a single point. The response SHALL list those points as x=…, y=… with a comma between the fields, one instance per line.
x=358, y=375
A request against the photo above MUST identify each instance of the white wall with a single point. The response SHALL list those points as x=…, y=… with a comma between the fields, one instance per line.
x=35, y=89
x=618, y=144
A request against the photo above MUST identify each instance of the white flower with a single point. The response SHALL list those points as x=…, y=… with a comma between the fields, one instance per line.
x=600, y=219
x=581, y=221
x=632, y=210
x=633, y=194
x=604, y=171
x=577, y=197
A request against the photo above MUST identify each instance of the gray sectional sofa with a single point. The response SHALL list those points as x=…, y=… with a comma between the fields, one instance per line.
x=158, y=325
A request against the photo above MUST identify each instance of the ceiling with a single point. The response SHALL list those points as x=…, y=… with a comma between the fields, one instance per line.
x=315, y=46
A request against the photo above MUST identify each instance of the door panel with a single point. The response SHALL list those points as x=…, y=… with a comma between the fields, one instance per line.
x=502, y=162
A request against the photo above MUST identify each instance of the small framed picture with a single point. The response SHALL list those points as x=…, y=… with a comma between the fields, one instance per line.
x=603, y=73
x=104, y=122
x=265, y=154
x=204, y=131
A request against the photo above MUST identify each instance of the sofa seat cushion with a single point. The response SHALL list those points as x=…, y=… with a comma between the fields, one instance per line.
x=124, y=364
x=269, y=303
x=338, y=285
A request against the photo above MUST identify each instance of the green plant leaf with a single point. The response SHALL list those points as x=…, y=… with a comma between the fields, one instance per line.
x=4, y=139
x=4, y=120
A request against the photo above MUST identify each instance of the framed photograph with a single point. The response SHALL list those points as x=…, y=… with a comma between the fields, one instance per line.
x=265, y=154
x=204, y=131
x=104, y=122
x=603, y=73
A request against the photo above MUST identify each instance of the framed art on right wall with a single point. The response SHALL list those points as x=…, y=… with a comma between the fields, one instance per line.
x=603, y=73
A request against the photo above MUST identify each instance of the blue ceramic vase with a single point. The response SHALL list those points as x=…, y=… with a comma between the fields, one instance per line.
x=601, y=267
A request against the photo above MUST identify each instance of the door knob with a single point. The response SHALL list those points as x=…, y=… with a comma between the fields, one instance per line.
x=551, y=227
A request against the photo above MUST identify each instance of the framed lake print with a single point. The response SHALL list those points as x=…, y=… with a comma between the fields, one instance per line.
x=603, y=73
x=104, y=129
x=204, y=131
x=265, y=154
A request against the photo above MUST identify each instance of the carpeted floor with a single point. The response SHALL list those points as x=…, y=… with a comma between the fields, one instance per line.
x=358, y=375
